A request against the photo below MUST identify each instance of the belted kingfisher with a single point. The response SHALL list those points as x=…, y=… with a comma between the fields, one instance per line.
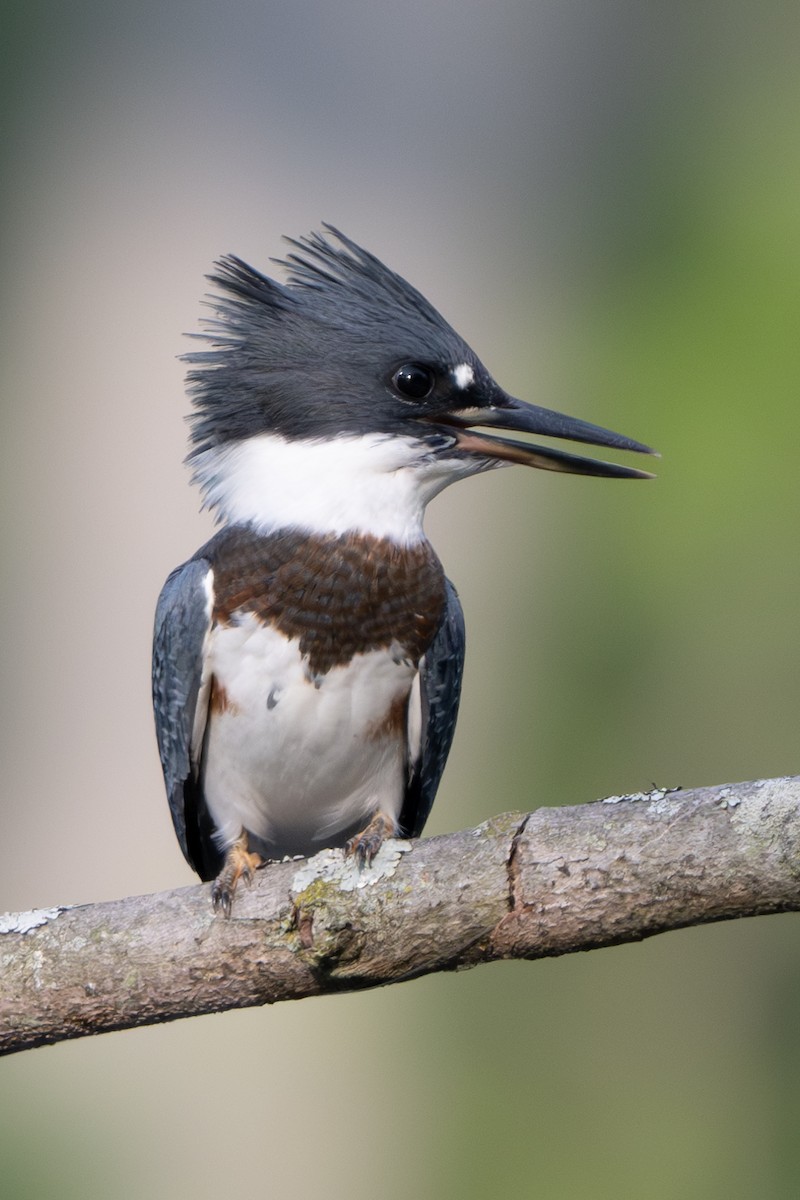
x=307, y=660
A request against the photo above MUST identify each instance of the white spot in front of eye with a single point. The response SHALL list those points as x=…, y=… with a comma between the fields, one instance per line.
x=463, y=376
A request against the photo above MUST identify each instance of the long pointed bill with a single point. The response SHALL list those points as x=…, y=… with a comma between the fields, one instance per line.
x=520, y=417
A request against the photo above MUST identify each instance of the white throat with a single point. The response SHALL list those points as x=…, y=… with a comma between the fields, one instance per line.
x=372, y=483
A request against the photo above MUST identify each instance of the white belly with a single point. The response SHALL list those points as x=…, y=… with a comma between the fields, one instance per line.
x=295, y=760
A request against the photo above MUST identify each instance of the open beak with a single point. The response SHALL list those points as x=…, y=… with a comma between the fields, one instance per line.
x=516, y=415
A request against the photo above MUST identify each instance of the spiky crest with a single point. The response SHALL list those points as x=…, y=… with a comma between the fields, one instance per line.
x=307, y=356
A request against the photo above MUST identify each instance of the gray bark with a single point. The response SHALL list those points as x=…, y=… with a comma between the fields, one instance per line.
x=520, y=886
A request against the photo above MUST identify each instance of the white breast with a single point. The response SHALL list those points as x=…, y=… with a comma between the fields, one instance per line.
x=296, y=760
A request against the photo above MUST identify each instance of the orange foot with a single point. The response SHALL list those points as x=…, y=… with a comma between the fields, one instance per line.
x=239, y=863
x=365, y=845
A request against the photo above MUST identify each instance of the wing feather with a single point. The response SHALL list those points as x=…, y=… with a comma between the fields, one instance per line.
x=432, y=714
x=180, y=704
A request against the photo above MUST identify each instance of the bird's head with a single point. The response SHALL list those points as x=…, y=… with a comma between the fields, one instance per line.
x=344, y=373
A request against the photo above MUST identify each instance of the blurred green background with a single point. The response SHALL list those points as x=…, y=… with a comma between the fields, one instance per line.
x=605, y=200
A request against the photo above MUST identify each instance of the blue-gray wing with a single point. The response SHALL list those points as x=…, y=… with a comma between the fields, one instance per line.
x=440, y=675
x=180, y=704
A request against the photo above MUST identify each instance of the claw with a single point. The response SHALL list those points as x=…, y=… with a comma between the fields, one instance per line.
x=240, y=863
x=366, y=844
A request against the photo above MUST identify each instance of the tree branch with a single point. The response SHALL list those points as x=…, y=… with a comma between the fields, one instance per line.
x=520, y=886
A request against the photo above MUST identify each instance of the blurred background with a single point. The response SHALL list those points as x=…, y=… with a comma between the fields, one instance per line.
x=604, y=199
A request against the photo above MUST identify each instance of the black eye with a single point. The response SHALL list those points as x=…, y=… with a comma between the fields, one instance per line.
x=414, y=381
